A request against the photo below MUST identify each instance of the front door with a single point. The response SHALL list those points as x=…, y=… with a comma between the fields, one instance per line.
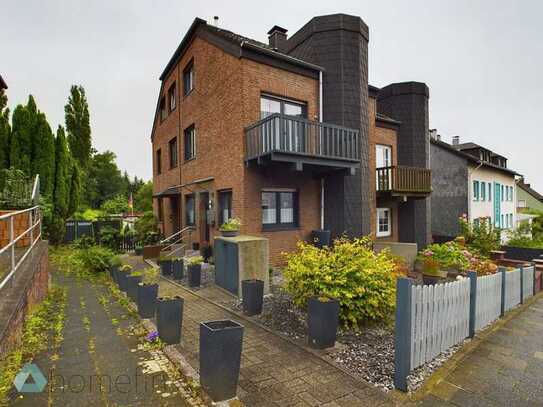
x=175, y=218
x=202, y=216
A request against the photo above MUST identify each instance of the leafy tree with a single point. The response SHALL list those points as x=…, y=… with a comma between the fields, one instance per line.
x=116, y=205
x=78, y=126
x=5, y=130
x=143, y=199
x=61, y=189
x=104, y=180
x=43, y=161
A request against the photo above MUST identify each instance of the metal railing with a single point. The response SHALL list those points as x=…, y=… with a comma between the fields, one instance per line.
x=178, y=238
x=291, y=134
x=34, y=221
x=404, y=179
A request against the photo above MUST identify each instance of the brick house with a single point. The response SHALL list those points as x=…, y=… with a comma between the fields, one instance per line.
x=287, y=137
x=469, y=179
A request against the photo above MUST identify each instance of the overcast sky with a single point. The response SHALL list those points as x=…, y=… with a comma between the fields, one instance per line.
x=482, y=61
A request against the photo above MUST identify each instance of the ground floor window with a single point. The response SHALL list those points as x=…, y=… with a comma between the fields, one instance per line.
x=279, y=208
x=189, y=210
x=384, y=223
x=225, y=206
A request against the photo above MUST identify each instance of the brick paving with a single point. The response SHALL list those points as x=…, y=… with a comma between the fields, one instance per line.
x=505, y=369
x=274, y=371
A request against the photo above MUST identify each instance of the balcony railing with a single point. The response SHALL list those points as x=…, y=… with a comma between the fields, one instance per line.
x=407, y=180
x=294, y=135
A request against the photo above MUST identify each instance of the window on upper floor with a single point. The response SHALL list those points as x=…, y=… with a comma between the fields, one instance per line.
x=475, y=190
x=189, y=143
x=273, y=104
x=162, y=107
x=172, y=97
x=172, y=145
x=483, y=191
x=490, y=191
x=158, y=161
x=188, y=78
x=502, y=193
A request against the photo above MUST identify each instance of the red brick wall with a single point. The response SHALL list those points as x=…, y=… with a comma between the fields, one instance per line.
x=30, y=291
x=226, y=99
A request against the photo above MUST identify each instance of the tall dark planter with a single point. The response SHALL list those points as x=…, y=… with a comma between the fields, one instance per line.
x=321, y=238
x=113, y=272
x=169, y=319
x=220, y=357
x=177, y=267
x=121, y=280
x=252, y=292
x=194, y=272
x=146, y=300
x=322, y=322
x=132, y=287
x=166, y=267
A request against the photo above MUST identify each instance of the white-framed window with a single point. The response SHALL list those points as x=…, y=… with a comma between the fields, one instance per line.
x=384, y=222
x=483, y=191
x=489, y=191
x=503, y=193
x=475, y=190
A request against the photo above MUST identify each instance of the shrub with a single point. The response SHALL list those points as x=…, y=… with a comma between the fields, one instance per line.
x=524, y=236
x=364, y=282
x=231, y=224
x=481, y=236
x=195, y=260
x=95, y=259
x=151, y=276
x=110, y=237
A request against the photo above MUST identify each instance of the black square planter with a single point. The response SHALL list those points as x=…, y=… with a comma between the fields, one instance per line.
x=146, y=300
x=178, y=272
x=166, y=267
x=113, y=272
x=132, y=287
x=169, y=319
x=321, y=238
x=194, y=272
x=252, y=292
x=220, y=358
x=322, y=322
x=121, y=279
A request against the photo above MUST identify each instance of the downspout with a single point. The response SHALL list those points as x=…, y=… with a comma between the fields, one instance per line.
x=322, y=178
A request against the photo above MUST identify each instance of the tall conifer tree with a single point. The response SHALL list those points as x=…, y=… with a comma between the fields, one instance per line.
x=5, y=130
x=61, y=188
x=78, y=126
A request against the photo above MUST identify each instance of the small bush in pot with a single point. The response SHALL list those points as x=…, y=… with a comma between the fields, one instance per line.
x=132, y=281
x=252, y=291
x=165, y=263
x=231, y=227
x=169, y=318
x=123, y=273
x=148, y=292
x=194, y=270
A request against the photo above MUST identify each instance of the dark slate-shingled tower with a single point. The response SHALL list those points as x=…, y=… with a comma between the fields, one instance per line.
x=408, y=103
x=339, y=43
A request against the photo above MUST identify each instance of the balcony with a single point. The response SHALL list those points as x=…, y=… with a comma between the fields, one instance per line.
x=302, y=143
x=404, y=181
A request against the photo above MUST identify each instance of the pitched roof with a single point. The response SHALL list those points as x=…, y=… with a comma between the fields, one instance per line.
x=471, y=158
x=466, y=146
x=529, y=190
x=3, y=84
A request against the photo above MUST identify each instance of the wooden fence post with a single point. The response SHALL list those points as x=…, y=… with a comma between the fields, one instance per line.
x=402, y=339
x=503, y=271
x=521, y=284
x=472, y=302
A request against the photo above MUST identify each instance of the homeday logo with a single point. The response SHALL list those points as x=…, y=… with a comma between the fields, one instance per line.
x=30, y=370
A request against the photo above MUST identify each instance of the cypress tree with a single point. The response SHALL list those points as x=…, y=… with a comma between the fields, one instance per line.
x=20, y=156
x=62, y=182
x=44, y=159
x=75, y=188
x=5, y=131
x=78, y=126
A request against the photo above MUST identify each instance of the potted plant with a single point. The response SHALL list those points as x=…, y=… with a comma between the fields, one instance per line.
x=169, y=319
x=220, y=357
x=138, y=250
x=177, y=268
x=165, y=263
x=148, y=292
x=114, y=267
x=231, y=227
x=431, y=273
x=132, y=281
x=252, y=292
x=194, y=270
x=322, y=321
x=123, y=272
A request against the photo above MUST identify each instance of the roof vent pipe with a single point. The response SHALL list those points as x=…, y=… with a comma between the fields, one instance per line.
x=216, y=21
x=455, y=140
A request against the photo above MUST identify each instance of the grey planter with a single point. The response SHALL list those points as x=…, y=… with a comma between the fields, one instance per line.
x=121, y=280
x=132, y=287
x=146, y=300
x=322, y=322
x=177, y=267
x=252, y=292
x=169, y=319
x=194, y=272
x=220, y=357
x=166, y=267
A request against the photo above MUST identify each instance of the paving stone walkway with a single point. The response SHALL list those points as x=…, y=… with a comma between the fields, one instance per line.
x=98, y=362
x=274, y=371
x=505, y=369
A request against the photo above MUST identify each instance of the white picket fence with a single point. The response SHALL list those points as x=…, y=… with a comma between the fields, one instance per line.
x=528, y=282
x=512, y=289
x=440, y=319
x=488, y=300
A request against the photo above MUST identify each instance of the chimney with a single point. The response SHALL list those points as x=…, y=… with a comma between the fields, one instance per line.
x=277, y=38
x=216, y=21
x=433, y=134
x=438, y=137
x=455, y=140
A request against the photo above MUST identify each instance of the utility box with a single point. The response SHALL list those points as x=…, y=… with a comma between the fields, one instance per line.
x=241, y=258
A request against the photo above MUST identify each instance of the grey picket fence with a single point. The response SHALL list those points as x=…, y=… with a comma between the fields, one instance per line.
x=431, y=319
